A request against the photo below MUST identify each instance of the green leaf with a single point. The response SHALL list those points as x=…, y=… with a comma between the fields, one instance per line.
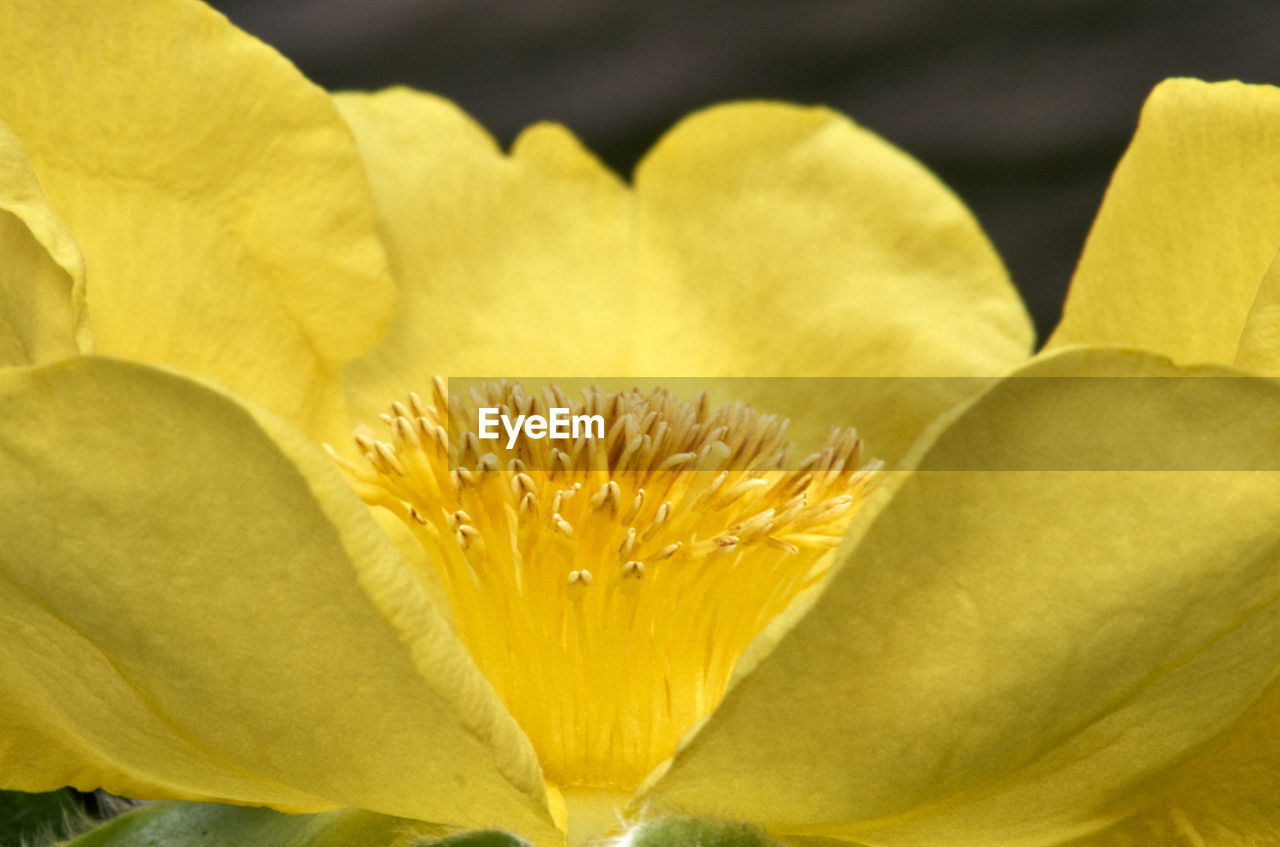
x=215, y=825
x=35, y=818
x=680, y=831
x=479, y=838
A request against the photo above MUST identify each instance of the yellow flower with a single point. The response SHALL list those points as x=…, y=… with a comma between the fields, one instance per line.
x=1071, y=641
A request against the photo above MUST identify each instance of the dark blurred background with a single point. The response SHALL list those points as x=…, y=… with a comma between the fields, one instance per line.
x=1022, y=106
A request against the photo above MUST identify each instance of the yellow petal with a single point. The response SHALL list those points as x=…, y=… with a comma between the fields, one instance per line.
x=218, y=197
x=1078, y=590
x=1188, y=227
x=1259, y=349
x=215, y=825
x=197, y=606
x=508, y=265
x=42, y=314
x=784, y=241
x=1223, y=794
x=761, y=240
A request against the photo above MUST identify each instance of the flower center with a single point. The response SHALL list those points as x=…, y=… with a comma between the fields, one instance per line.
x=606, y=586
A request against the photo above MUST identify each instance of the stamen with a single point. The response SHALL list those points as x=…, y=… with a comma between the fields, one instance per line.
x=606, y=586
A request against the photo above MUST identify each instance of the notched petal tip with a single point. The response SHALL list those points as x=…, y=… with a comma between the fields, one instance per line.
x=868, y=264
x=556, y=149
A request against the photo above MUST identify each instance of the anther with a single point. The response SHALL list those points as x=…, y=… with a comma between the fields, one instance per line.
x=440, y=436
x=564, y=494
x=713, y=454
x=388, y=455
x=365, y=439
x=831, y=508
x=633, y=569
x=738, y=489
x=703, y=401
x=676, y=461
x=792, y=508
x=813, y=540
x=658, y=520
x=607, y=498
x=628, y=543
x=582, y=577
x=405, y=432
x=779, y=544
x=458, y=518
x=668, y=551
x=418, y=408
x=633, y=445
x=468, y=445
x=439, y=392
x=707, y=493
x=809, y=462
x=466, y=535
x=560, y=461
x=562, y=526
x=341, y=461
x=636, y=503
x=522, y=484
x=754, y=526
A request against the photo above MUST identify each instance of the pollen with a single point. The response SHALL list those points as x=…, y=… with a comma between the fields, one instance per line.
x=606, y=586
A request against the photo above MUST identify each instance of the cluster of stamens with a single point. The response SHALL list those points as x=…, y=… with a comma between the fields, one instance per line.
x=605, y=586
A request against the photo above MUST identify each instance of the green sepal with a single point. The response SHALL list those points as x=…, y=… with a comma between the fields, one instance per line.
x=27, y=819
x=479, y=838
x=681, y=831
x=173, y=824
